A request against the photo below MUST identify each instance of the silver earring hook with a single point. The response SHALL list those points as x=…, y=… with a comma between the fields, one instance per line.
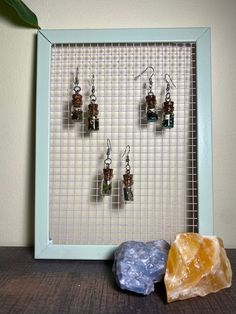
x=92, y=96
x=170, y=80
x=127, y=147
x=109, y=150
x=108, y=160
x=76, y=81
x=77, y=88
x=150, y=78
x=127, y=160
x=92, y=82
x=153, y=73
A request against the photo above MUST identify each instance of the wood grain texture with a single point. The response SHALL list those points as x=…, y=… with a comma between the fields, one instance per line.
x=57, y=286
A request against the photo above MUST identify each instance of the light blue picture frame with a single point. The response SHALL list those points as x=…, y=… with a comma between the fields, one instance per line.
x=202, y=36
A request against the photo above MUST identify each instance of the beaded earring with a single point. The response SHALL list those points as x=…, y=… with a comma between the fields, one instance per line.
x=107, y=172
x=151, y=111
x=93, y=121
x=168, y=105
x=128, y=178
x=76, y=110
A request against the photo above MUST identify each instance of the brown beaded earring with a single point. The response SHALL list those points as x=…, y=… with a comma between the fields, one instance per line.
x=76, y=110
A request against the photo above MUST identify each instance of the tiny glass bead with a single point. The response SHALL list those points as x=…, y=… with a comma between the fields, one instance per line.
x=93, y=123
x=128, y=194
x=106, y=187
x=77, y=115
x=168, y=120
x=151, y=115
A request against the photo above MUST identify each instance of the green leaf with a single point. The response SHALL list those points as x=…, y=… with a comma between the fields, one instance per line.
x=24, y=12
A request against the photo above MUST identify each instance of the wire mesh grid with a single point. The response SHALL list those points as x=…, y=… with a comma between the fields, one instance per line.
x=163, y=161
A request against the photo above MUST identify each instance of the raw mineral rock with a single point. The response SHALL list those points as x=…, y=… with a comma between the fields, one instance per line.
x=197, y=265
x=138, y=265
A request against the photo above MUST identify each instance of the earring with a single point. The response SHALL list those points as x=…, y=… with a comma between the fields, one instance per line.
x=107, y=172
x=93, y=121
x=128, y=178
x=168, y=105
x=76, y=110
x=151, y=111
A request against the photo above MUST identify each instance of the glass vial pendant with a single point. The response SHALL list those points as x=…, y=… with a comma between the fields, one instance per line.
x=76, y=110
x=151, y=108
x=168, y=114
x=93, y=121
x=107, y=181
x=127, y=188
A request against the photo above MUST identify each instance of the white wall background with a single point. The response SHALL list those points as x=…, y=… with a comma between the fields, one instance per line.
x=17, y=95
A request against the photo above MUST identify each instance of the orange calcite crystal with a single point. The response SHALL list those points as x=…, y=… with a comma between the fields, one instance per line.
x=196, y=265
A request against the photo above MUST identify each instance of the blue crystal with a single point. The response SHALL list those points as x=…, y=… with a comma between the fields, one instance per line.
x=138, y=265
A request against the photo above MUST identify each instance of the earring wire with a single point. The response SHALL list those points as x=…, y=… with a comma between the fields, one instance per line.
x=108, y=153
x=109, y=149
x=170, y=80
x=76, y=81
x=92, y=96
x=127, y=147
x=77, y=88
x=108, y=160
x=153, y=73
x=150, y=78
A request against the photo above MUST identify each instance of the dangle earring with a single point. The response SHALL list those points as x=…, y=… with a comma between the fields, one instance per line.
x=93, y=121
x=151, y=111
x=168, y=105
x=107, y=172
x=76, y=110
x=128, y=178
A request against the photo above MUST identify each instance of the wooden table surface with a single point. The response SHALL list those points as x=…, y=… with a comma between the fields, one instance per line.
x=55, y=286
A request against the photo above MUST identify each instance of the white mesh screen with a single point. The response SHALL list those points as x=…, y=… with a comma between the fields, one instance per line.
x=163, y=161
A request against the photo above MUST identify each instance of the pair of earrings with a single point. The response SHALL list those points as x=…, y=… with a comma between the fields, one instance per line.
x=167, y=107
x=76, y=108
x=108, y=174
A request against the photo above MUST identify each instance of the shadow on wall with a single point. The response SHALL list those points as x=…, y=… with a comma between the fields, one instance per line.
x=31, y=152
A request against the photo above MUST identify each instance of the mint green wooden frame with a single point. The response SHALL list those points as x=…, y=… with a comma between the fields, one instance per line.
x=202, y=36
